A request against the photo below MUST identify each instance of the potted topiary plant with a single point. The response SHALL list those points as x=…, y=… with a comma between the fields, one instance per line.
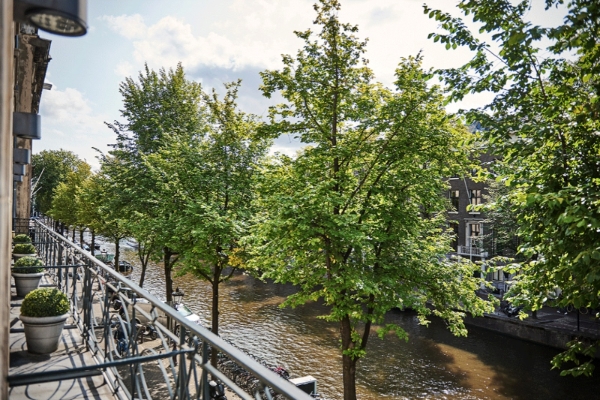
x=27, y=273
x=21, y=238
x=22, y=250
x=43, y=313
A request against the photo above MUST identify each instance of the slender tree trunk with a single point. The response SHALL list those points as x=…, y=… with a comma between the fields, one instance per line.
x=93, y=244
x=81, y=231
x=117, y=251
x=215, y=310
x=143, y=255
x=349, y=364
x=168, y=278
x=143, y=274
x=73, y=234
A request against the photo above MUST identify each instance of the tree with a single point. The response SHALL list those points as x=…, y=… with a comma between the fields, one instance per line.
x=159, y=108
x=356, y=218
x=50, y=167
x=100, y=212
x=543, y=122
x=210, y=190
x=65, y=203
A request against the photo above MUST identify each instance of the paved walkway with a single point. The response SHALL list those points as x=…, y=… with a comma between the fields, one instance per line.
x=582, y=323
x=71, y=353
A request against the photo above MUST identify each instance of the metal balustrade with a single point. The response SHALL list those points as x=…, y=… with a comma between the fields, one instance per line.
x=168, y=367
x=472, y=250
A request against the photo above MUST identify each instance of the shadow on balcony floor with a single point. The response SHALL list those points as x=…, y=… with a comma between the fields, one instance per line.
x=71, y=353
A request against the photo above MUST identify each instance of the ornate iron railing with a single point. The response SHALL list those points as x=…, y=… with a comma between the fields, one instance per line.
x=168, y=365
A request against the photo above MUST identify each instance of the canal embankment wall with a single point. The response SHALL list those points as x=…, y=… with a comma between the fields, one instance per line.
x=551, y=327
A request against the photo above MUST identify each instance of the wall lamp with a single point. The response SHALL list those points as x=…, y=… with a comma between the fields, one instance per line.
x=27, y=125
x=22, y=156
x=61, y=17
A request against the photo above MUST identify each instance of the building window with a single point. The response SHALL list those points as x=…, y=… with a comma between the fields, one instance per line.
x=454, y=195
x=475, y=197
x=454, y=228
x=474, y=239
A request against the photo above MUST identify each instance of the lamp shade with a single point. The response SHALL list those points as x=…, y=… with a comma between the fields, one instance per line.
x=27, y=125
x=61, y=17
x=19, y=169
x=22, y=156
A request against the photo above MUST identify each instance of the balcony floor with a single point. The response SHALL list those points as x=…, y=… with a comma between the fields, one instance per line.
x=71, y=353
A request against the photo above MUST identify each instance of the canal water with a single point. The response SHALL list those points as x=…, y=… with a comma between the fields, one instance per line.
x=433, y=364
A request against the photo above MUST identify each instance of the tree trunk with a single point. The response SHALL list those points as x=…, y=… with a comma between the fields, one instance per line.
x=93, y=245
x=349, y=364
x=73, y=234
x=168, y=278
x=143, y=255
x=81, y=231
x=215, y=311
x=143, y=274
x=117, y=251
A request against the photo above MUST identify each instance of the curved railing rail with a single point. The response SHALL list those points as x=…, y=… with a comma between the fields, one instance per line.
x=127, y=330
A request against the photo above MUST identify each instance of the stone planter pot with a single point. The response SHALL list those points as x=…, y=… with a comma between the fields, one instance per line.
x=17, y=256
x=25, y=283
x=43, y=333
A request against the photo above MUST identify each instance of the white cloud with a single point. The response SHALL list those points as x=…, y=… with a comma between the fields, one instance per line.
x=255, y=34
x=69, y=122
x=252, y=36
x=129, y=26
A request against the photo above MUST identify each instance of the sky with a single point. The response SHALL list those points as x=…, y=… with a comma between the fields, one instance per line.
x=216, y=42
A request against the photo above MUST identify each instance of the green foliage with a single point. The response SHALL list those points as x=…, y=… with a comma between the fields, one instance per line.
x=65, y=201
x=501, y=221
x=569, y=361
x=161, y=109
x=45, y=302
x=543, y=122
x=50, y=167
x=21, y=238
x=24, y=248
x=355, y=218
x=212, y=178
x=28, y=265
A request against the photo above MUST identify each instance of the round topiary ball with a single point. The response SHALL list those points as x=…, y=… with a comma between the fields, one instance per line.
x=28, y=265
x=24, y=248
x=45, y=302
x=21, y=238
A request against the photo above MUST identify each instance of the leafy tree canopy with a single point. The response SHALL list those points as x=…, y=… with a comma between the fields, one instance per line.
x=356, y=218
x=160, y=108
x=543, y=122
x=50, y=167
x=65, y=204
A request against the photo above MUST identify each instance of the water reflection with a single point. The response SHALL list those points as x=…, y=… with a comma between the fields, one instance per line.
x=433, y=364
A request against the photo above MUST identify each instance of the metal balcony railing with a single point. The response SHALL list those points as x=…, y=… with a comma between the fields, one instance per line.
x=175, y=367
x=472, y=250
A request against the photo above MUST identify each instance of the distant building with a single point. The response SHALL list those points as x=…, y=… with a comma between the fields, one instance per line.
x=474, y=234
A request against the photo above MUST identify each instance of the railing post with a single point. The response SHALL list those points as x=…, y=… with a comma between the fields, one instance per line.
x=59, y=258
x=132, y=343
x=87, y=304
x=182, y=379
x=204, y=381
